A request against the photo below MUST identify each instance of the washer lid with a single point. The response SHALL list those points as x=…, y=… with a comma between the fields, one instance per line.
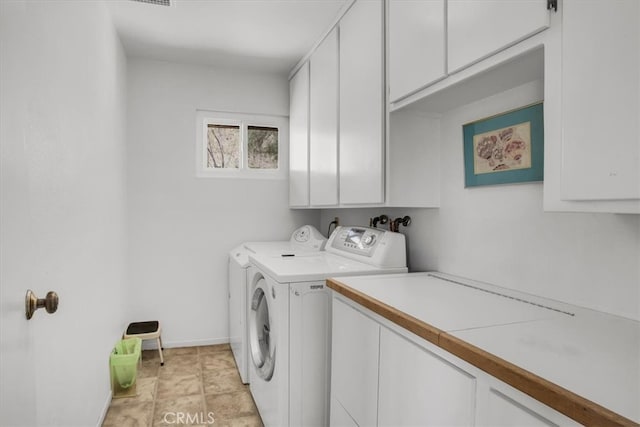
x=271, y=248
x=287, y=269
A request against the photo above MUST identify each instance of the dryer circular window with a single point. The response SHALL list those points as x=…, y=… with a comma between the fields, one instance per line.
x=262, y=343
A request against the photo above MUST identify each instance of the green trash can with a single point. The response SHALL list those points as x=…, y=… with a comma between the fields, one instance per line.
x=123, y=364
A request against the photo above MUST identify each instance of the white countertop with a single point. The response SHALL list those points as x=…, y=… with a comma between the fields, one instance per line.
x=446, y=305
x=592, y=354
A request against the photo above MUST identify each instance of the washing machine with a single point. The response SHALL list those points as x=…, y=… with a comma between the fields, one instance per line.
x=306, y=239
x=290, y=320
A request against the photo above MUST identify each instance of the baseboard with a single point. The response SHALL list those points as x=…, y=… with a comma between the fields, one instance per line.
x=105, y=409
x=151, y=344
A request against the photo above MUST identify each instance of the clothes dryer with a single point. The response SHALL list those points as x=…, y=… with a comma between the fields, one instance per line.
x=290, y=320
x=306, y=239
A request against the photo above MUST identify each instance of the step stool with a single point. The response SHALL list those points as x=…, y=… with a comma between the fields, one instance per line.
x=146, y=331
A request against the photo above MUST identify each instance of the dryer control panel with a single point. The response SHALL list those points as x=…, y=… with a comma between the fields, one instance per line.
x=308, y=237
x=371, y=245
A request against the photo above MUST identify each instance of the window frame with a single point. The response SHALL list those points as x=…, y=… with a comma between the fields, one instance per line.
x=243, y=120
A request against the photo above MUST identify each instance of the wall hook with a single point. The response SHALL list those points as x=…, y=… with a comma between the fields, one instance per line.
x=382, y=219
x=32, y=303
x=395, y=224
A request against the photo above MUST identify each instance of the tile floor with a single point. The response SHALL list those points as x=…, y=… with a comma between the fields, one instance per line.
x=196, y=386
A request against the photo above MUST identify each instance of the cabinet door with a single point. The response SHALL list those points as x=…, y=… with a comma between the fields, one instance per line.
x=323, y=123
x=600, y=100
x=299, y=138
x=416, y=45
x=477, y=29
x=502, y=405
x=418, y=388
x=309, y=346
x=354, y=365
x=362, y=104
x=340, y=417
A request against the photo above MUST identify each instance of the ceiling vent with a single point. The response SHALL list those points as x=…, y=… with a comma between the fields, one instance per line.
x=156, y=2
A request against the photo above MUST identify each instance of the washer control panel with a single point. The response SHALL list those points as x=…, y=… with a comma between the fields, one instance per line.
x=359, y=240
x=373, y=246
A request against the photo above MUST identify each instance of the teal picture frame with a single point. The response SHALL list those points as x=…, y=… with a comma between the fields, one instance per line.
x=506, y=148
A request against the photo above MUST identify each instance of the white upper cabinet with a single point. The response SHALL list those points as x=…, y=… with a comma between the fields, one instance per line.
x=299, y=138
x=362, y=104
x=592, y=108
x=477, y=29
x=601, y=100
x=343, y=85
x=323, y=123
x=416, y=31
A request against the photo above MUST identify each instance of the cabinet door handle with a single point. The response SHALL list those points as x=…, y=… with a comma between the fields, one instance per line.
x=32, y=303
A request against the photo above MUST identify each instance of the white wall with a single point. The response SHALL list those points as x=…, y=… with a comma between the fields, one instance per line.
x=63, y=209
x=181, y=227
x=500, y=234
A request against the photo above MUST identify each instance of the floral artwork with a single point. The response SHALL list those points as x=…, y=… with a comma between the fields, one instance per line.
x=506, y=148
x=503, y=149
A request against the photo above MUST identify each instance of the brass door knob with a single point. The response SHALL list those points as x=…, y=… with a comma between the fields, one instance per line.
x=32, y=303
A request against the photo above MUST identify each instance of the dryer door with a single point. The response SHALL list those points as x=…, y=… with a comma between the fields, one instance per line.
x=262, y=344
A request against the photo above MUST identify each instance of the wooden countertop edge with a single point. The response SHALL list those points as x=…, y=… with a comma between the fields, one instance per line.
x=562, y=400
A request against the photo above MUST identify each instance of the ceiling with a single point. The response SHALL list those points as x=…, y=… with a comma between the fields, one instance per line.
x=267, y=35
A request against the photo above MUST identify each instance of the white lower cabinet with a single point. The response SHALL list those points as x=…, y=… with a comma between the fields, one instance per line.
x=499, y=404
x=309, y=337
x=354, y=365
x=384, y=375
x=419, y=388
x=504, y=411
x=339, y=416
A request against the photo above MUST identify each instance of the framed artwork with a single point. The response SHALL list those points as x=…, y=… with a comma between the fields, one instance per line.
x=505, y=148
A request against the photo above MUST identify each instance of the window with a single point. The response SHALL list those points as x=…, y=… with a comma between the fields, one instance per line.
x=241, y=145
x=223, y=146
x=263, y=147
